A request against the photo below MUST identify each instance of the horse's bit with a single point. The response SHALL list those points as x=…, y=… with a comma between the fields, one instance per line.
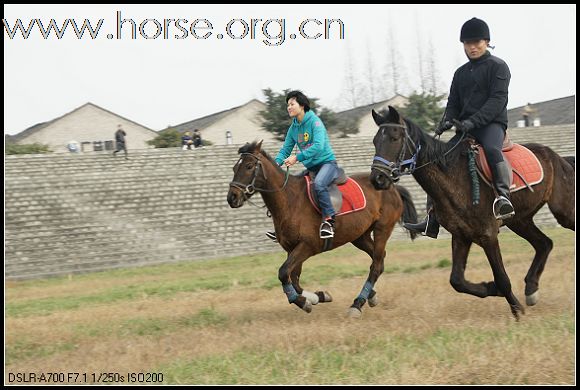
x=400, y=167
x=249, y=189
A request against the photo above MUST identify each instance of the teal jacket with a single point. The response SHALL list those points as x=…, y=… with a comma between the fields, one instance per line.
x=312, y=139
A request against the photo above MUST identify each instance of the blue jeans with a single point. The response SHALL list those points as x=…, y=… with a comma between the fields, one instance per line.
x=325, y=174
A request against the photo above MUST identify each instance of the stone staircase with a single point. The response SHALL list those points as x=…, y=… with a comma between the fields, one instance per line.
x=79, y=213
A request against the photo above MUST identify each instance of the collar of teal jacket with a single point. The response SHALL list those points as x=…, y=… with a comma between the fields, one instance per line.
x=308, y=115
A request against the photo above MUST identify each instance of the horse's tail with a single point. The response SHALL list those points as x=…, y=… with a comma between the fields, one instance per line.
x=409, y=212
x=571, y=160
x=562, y=201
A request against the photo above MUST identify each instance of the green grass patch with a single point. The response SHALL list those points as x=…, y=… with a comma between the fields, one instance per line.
x=380, y=361
x=257, y=271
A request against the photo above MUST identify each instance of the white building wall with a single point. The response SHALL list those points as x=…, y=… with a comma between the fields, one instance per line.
x=244, y=124
x=87, y=124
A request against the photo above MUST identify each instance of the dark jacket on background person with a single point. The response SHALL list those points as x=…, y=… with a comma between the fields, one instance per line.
x=120, y=136
x=479, y=92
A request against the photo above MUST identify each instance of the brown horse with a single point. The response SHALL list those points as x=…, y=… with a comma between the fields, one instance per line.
x=296, y=222
x=403, y=148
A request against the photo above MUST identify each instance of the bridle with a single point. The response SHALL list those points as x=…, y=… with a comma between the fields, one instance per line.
x=400, y=167
x=395, y=169
x=250, y=189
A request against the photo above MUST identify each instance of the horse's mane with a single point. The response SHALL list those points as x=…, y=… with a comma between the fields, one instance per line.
x=431, y=149
x=251, y=148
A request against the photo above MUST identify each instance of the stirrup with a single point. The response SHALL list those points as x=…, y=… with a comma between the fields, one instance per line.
x=326, y=230
x=503, y=211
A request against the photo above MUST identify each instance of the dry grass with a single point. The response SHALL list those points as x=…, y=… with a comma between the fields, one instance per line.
x=422, y=332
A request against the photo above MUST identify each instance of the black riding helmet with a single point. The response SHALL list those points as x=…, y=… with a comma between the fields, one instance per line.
x=474, y=29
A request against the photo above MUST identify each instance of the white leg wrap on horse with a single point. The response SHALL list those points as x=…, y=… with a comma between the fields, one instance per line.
x=310, y=297
x=531, y=300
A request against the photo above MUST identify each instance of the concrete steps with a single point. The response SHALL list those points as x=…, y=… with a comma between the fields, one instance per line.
x=81, y=213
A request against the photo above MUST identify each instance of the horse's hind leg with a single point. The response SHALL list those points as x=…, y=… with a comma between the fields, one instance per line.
x=543, y=245
x=377, y=267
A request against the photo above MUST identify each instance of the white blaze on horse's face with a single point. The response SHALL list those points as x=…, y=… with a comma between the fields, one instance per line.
x=242, y=185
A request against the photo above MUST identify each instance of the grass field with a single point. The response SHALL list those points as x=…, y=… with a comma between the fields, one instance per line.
x=228, y=322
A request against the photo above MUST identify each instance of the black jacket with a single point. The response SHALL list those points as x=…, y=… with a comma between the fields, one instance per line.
x=479, y=92
x=120, y=136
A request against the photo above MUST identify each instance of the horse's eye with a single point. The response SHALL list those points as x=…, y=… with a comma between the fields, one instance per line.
x=249, y=166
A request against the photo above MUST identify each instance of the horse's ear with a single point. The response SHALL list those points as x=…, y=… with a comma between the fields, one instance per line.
x=379, y=120
x=394, y=116
x=259, y=146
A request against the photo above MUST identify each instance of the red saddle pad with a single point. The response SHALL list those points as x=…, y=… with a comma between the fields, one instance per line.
x=522, y=162
x=353, y=197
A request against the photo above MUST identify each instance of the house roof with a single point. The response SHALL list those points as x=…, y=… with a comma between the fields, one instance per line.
x=39, y=126
x=358, y=112
x=551, y=112
x=208, y=120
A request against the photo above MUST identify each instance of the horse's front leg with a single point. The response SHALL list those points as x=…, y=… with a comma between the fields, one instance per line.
x=289, y=276
x=312, y=297
x=460, y=247
x=501, y=278
x=377, y=267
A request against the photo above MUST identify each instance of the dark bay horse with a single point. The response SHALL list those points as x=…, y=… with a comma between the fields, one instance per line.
x=442, y=172
x=297, y=223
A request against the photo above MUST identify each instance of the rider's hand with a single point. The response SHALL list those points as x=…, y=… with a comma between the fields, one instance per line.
x=442, y=127
x=465, y=125
x=290, y=161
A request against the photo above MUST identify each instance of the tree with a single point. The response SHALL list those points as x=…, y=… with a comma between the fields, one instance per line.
x=425, y=110
x=35, y=148
x=168, y=138
x=276, y=120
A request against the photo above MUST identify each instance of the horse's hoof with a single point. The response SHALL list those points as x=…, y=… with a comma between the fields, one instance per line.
x=373, y=301
x=353, y=312
x=324, y=296
x=307, y=306
x=310, y=297
x=532, y=299
x=517, y=311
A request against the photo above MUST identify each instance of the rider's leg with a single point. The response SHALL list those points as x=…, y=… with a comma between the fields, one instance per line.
x=325, y=176
x=429, y=227
x=491, y=138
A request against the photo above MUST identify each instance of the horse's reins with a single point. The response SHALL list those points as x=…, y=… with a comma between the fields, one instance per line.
x=249, y=189
x=397, y=168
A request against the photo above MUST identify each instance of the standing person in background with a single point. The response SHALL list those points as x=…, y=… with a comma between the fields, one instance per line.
x=120, y=141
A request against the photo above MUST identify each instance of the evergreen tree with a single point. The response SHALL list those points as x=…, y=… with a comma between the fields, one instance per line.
x=35, y=148
x=168, y=138
x=425, y=110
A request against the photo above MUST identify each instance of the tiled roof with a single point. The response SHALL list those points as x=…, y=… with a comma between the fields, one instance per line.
x=560, y=111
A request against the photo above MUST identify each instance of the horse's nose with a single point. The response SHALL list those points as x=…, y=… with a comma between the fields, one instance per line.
x=233, y=199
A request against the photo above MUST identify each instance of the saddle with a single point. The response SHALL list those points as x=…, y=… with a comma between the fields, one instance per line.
x=525, y=166
x=342, y=188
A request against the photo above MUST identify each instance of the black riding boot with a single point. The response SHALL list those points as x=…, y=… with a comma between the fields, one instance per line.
x=429, y=227
x=502, y=207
